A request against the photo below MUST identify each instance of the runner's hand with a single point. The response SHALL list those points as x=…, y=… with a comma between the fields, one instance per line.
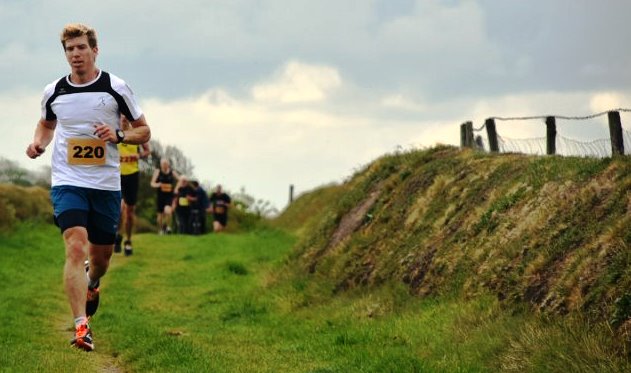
x=105, y=133
x=34, y=150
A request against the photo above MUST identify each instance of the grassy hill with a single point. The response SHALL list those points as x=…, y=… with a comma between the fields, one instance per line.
x=550, y=233
x=224, y=303
x=438, y=260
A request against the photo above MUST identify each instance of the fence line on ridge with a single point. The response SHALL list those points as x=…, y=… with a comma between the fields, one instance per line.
x=553, y=142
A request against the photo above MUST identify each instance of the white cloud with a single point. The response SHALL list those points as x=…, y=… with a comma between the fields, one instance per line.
x=20, y=114
x=400, y=101
x=298, y=83
x=264, y=146
x=604, y=101
x=351, y=83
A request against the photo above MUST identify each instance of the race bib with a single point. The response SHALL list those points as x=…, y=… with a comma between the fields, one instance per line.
x=220, y=210
x=166, y=188
x=86, y=152
x=128, y=158
x=183, y=201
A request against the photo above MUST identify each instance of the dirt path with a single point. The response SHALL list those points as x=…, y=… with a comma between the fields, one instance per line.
x=102, y=362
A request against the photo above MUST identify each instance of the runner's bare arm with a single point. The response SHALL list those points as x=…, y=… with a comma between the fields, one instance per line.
x=44, y=133
x=145, y=150
x=154, y=179
x=139, y=133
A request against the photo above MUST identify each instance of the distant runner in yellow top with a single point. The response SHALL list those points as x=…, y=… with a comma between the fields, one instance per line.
x=130, y=179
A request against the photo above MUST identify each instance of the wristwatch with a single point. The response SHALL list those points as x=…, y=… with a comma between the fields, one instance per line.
x=120, y=135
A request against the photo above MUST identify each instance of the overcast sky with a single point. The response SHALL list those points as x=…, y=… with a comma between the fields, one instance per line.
x=264, y=94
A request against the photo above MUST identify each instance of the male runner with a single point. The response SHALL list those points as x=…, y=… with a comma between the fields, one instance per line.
x=81, y=112
x=164, y=180
x=130, y=179
x=219, y=204
x=198, y=209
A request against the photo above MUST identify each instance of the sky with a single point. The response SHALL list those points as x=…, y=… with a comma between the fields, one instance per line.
x=268, y=93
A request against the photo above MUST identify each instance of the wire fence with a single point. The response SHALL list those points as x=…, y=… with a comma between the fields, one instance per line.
x=560, y=137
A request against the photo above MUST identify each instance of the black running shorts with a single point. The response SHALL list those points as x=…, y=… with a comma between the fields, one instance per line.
x=221, y=219
x=129, y=188
x=164, y=199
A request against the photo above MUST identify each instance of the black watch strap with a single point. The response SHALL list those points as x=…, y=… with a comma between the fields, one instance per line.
x=120, y=135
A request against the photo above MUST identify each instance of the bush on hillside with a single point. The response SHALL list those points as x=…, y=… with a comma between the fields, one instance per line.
x=240, y=221
x=143, y=225
x=18, y=203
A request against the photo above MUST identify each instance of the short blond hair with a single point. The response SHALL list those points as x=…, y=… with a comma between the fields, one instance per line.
x=75, y=30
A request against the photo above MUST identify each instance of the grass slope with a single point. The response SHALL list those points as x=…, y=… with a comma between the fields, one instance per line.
x=229, y=303
x=549, y=232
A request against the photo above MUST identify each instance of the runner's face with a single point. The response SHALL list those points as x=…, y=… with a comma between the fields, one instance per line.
x=80, y=56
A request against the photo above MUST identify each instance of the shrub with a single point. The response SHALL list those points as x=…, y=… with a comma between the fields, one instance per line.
x=19, y=203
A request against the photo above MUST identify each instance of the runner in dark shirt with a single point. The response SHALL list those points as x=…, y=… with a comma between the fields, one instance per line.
x=163, y=180
x=185, y=198
x=219, y=204
x=198, y=209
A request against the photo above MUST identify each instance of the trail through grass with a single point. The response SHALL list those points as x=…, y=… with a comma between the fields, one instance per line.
x=221, y=303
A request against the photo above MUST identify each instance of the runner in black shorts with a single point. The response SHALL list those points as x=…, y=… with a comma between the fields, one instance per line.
x=129, y=188
x=219, y=203
x=130, y=180
x=164, y=180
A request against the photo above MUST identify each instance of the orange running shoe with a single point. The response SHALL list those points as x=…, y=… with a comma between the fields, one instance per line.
x=83, y=338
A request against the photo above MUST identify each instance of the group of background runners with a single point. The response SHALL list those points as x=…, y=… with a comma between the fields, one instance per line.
x=189, y=200
x=175, y=192
x=98, y=130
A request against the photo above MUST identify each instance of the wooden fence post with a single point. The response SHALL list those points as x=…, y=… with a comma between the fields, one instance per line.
x=615, y=132
x=291, y=193
x=492, y=135
x=551, y=136
x=470, y=139
x=466, y=135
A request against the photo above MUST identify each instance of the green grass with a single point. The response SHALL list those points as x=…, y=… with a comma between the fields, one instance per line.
x=234, y=303
x=34, y=332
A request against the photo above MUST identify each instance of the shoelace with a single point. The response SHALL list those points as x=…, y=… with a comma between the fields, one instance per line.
x=82, y=330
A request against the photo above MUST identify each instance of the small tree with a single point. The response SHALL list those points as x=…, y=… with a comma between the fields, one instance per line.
x=12, y=173
x=259, y=207
x=179, y=162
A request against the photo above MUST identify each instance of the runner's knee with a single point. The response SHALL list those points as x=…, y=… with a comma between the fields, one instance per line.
x=76, y=240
